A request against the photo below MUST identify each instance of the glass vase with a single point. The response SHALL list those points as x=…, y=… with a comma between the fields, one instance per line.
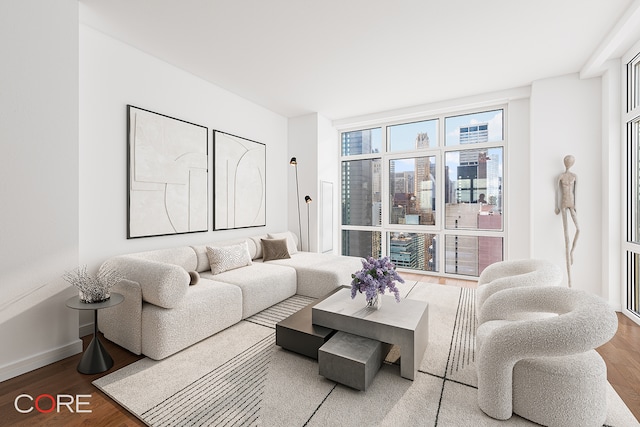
x=375, y=302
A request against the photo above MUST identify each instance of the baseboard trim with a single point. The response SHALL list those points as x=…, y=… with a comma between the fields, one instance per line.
x=39, y=360
x=86, y=329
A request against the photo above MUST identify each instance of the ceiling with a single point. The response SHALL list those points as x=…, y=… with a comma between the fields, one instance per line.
x=344, y=58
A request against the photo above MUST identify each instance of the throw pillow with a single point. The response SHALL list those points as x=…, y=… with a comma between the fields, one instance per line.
x=291, y=243
x=274, y=249
x=227, y=258
x=194, y=278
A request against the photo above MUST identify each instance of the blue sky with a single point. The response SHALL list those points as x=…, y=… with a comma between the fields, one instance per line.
x=402, y=137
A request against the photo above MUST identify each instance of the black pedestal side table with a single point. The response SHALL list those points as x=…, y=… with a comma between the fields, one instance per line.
x=95, y=359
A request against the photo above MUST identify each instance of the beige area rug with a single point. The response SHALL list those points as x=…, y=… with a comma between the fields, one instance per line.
x=239, y=377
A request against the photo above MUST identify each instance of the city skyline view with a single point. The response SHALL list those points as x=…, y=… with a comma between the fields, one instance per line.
x=472, y=196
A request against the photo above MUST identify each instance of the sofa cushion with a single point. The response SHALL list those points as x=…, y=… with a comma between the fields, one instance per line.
x=274, y=249
x=292, y=244
x=318, y=274
x=258, y=244
x=227, y=258
x=263, y=285
x=194, y=277
x=161, y=283
x=205, y=310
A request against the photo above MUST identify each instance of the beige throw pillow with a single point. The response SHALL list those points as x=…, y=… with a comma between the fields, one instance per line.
x=225, y=258
x=274, y=249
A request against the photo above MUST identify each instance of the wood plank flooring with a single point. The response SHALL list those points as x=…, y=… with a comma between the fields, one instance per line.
x=620, y=355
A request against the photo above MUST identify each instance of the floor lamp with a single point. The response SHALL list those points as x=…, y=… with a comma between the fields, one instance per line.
x=308, y=200
x=294, y=162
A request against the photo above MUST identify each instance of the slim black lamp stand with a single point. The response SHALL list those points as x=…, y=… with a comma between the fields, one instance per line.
x=308, y=200
x=294, y=162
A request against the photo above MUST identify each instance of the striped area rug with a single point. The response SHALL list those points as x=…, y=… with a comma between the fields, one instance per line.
x=230, y=395
x=239, y=377
x=280, y=311
x=463, y=341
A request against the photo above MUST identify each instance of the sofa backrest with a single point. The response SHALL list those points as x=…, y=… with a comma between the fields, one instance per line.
x=182, y=256
x=203, y=259
x=253, y=243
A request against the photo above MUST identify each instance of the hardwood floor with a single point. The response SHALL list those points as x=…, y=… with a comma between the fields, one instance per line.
x=63, y=378
x=620, y=355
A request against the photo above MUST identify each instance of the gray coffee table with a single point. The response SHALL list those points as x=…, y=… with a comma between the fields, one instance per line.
x=405, y=324
x=297, y=333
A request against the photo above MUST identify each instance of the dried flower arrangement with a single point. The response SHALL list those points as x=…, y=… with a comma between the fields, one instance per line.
x=93, y=289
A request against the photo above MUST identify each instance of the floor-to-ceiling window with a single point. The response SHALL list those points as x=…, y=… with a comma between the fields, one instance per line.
x=632, y=244
x=427, y=192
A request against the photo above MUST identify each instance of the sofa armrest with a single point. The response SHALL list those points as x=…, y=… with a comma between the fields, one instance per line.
x=162, y=284
x=122, y=323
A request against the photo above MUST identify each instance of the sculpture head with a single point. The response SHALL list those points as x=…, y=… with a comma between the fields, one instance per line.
x=569, y=160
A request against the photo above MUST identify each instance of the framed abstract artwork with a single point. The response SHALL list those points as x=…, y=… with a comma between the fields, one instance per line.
x=239, y=182
x=167, y=175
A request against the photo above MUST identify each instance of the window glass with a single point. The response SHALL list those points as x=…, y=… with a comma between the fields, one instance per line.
x=474, y=128
x=413, y=136
x=412, y=191
x=366, y=141
x=439, y=182
x=635, y=140
x=361, y=192
x=633, y=279
x=636, y=84
x=470, y=255
x=416, y=251
x=361, y=243
x=473, y=189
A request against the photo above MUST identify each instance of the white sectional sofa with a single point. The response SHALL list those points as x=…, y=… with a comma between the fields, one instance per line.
x=163, y=313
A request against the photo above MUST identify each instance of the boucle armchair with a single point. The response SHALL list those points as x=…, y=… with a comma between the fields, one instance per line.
x=545, y=369
x=516, y=273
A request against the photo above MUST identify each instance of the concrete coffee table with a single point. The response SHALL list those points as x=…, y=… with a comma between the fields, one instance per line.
x=297, y=333
x=405, y=324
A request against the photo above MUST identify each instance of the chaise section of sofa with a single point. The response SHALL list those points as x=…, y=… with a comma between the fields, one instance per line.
x=319, y=274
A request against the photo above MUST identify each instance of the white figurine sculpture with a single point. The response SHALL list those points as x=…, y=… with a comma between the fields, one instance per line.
x=566, y=201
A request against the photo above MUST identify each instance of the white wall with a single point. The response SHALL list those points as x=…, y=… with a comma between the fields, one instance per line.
x=613, y=177
x=39, y=174
x=113, y=75
x=517, y=243
x=303, y=145
x=329, y=171
x=566, y=119
x=314, y=142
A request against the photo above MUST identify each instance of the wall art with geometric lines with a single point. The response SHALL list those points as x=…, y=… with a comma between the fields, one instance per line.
x=167, y=175
x=239, y=182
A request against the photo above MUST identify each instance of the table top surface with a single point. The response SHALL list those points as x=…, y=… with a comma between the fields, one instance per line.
x=404, y=314
x=74, y=302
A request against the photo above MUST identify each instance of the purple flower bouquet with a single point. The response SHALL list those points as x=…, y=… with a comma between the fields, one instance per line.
x=376, y=276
